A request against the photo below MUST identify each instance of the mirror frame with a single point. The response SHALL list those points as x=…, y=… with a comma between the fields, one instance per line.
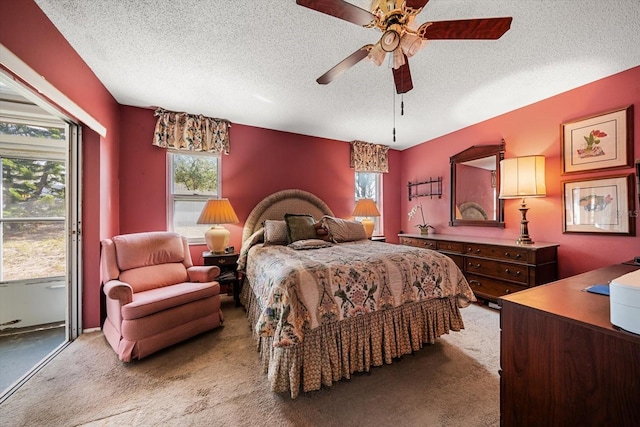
x=473, y=153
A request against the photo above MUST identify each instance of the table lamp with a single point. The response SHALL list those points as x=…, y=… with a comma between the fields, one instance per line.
x=366, y=208
x=522, y=177
x=217, y=211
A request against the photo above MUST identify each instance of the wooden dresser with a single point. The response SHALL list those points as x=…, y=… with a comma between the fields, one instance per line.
x=563, y=362
x=493, y=267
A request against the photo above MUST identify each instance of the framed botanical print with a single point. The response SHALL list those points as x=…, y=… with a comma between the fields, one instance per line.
x=599, y=206
x=599, y=142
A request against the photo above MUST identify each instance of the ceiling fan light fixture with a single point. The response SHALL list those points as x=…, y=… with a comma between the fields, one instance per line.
x=377, y=54
x=390, y=40
x=411, y=44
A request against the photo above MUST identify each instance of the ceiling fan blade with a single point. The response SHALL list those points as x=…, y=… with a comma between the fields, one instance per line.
x=416, y=4
x=402, y=77
x=340, y=9
x=344, y=65
x=483, y=28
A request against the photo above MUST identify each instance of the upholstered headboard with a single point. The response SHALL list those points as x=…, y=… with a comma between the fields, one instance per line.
x=282, y=202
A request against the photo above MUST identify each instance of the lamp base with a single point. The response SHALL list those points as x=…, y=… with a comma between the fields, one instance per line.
x=368, y=225
x=217, y=238
x=524, y=238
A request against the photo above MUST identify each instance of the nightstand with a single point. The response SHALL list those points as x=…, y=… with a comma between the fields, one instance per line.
x=228, y=271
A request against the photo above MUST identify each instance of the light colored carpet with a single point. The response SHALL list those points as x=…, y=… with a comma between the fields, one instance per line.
x=214, y=379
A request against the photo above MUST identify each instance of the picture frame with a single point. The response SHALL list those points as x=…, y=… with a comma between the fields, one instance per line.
x=602, y=205
x=603, y=141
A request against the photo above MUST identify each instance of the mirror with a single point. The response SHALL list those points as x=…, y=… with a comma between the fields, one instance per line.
x=475, y=182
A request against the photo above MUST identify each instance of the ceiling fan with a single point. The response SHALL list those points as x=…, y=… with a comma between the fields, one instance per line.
x=395, y=19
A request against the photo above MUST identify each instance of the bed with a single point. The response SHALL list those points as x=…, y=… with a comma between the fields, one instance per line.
x=319, y=315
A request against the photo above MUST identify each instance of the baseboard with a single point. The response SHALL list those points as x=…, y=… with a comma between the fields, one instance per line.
x=88, y=330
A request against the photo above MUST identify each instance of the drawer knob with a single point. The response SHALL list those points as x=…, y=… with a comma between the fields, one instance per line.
x=222, y=261
x=508, y=291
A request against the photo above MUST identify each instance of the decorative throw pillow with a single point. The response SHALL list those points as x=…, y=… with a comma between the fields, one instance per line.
x=309, y=244
x=300, y=227
x=275, y=232
x=342, y=230
x=321, y=232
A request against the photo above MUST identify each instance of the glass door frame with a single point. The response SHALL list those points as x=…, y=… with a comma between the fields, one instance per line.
x=73, y=223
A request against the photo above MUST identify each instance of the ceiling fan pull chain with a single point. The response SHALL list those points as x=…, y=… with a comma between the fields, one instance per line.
x=394, y=116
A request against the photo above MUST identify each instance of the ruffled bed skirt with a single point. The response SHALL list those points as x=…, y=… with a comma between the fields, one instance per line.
x=334, y=351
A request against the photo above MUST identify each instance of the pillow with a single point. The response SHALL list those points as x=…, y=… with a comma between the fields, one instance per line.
x=275, y=232
x=300, y=227
x=309, y=244
x=321, y=232
x=342, y=230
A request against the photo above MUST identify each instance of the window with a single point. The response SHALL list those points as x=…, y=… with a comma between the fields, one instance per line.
x=368, y=186
x=33, y=170
x=193, y=178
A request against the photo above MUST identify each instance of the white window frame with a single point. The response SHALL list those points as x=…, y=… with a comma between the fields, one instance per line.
x=172, y=197
x=378, y=230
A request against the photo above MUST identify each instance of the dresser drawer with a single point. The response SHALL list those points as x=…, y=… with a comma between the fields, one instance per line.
x=222, y=260
x=485, y=287
x=497, y=252
x=500, y=270
x=450, y=246
x=419, y=243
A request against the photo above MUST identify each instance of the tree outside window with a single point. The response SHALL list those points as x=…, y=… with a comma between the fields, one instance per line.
x=194, y=177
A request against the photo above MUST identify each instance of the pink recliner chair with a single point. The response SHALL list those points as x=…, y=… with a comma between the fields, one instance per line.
x=155, y=296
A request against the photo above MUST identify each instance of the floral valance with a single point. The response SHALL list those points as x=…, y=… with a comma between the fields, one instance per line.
x=367, y=157
x=191, y=132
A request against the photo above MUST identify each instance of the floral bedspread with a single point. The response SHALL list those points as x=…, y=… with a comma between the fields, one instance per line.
x=303, y=289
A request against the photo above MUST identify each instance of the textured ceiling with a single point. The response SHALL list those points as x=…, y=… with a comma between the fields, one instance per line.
x=255, y=62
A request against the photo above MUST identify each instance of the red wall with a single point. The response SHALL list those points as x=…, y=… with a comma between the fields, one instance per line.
x=29, y=34
x=261, y=162
x=534, y=130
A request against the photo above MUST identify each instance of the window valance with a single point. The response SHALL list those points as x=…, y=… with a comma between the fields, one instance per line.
x=191, y=132
x=367, y=157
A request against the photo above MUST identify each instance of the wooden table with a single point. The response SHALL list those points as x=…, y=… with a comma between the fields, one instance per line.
x=563, y=362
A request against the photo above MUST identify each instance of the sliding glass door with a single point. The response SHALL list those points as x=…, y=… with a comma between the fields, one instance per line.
x=38, y=277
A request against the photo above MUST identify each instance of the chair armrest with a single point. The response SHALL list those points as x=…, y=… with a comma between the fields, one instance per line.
x=203, y=274
x=115, y=289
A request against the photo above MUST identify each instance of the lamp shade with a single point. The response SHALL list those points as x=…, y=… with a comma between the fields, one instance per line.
x=522, y=177
x=217, y=211
x=366, y=207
